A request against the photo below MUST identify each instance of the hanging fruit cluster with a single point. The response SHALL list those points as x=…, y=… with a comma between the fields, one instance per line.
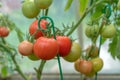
x=42, y=43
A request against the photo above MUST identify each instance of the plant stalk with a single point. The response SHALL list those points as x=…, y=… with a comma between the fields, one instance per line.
x=40, y=69
x=18, y=68
x=9, y=50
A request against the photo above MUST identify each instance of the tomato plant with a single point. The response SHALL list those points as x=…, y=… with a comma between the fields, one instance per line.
x=29, y=9
x=25, y=48
x=33, y=29
x=64, y=43
x=43, y=4
x=74, y=53
x=46, y=48
x=4, y=31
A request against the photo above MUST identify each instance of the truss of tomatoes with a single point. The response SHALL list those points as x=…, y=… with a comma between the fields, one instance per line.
x=44, y=48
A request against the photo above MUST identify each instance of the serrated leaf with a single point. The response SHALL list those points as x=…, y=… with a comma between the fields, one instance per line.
x=68, y=4
x=83, y=5
x=112, y=47
x=4, y=71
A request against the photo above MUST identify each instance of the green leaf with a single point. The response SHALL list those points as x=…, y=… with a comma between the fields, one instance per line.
x=97, y=12
x=83, y=5
x=68, y=4
x=103, y=40
x=114, y=47
x=4, y=71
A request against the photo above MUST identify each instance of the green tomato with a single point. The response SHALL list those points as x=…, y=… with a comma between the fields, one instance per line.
x=43, y=4
x=108, y=31
x=33, y=57
x=91, y=31
x=118, y=5
x=29, y=9
x=74, y=53
x=97, y=64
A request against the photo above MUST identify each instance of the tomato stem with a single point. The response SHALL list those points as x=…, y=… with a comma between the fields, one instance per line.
x=40, y=69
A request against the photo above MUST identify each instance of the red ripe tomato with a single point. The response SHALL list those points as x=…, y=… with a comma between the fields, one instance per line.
x=45, y=48
x=4, y=31
x=25, y=48
x=85, y=66
x=64, y=43
x=34, y=27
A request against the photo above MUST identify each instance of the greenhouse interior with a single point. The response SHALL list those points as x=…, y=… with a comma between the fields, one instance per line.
x=59, y=40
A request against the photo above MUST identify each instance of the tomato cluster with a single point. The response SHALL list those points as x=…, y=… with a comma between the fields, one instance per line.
x=44, y=47
x=32, y=8
x=107, y=31
x=89, y=67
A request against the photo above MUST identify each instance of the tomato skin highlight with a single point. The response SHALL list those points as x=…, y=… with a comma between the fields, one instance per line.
x=46, y=48
x=29, y=9
x=4, y=31
x=64, y=43
x=25, y=48
x=34, y=27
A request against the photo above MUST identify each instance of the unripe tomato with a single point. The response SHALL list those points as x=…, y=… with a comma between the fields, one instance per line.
x=108, y=31
x=64, y=43
x=118, y=5
x=91, y=74
x=97, y=64
x=43, y=4
x=29, y=9
x=4, y=31
x=92, y=52
x=85, y=66
x=46, y=48
x=25, y=48
x=74, y=53
x=34, y=27
x=91, y=31
x=33, y=57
